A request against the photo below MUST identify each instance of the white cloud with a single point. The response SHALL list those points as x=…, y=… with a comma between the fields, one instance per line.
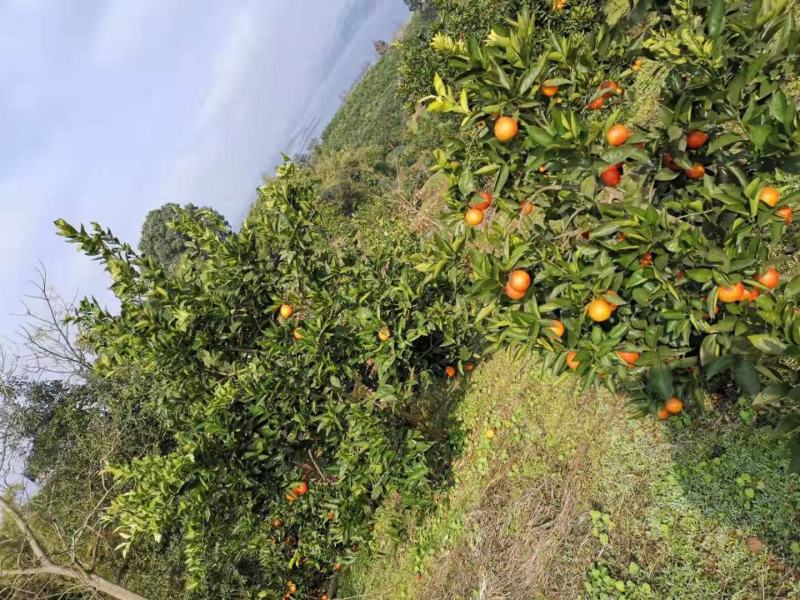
x=231, y=66
x=125, y=26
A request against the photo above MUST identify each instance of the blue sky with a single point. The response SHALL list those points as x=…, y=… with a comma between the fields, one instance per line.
x=111, y=108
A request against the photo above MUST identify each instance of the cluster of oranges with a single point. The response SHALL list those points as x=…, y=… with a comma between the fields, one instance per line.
x=738, y=292
x=673, y=406
x=517, y=285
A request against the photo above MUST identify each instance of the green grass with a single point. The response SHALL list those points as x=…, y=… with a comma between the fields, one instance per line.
x=572, y=498
x=372, y=113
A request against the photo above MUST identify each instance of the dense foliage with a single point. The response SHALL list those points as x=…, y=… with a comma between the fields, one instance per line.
x=161, y=241
x=286, y=433
x=458, y=19
x=639, y=241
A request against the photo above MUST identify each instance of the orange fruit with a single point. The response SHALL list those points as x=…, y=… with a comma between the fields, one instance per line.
x=526, y=208
x=469, y=367
x=301, y=489
x=611, y=176
x=733, y=293
x=599, y=310
x=663, y=413
x=506, y=129
x=291, y=497
x=674, y=405
x=291, y=587
x=324, y=597
x=646, y=260
x=519, y=280
x=769, y=196
x=297, y=334
x=557, y=327
x=610, y=85
x=542, y=169
x=596, y=104
x=696, y=139
x=670, y=163
x=486, y=201
x=286, y=311
x=637, y=64
x=337, y=567
x=628, y=357
x=786, y=213
x=384, y=334
x=618, y=134
x=549, y=90
x=571, y=362
x=512, y=293
x=450, y=371
x=473, y=217
x=751, y=295
x=696, y=171
x=331, y=515
x=277, y=523
x=770, y=278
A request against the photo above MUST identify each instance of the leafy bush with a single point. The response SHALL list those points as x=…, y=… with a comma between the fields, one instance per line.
x=634, y=236
x=287, y=432
x=459, y=19
x=161, y=241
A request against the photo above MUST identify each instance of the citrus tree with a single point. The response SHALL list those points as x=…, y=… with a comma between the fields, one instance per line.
x=281, y=367
x=634, y=254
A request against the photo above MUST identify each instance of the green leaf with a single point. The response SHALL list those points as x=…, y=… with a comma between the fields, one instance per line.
x=767, y=344
x=746, y=377
x=759, y=134
x=466, y=183
x=659, y=382
x=700, y=275
x=792, y=288
x=726, y=139
x=716, y=18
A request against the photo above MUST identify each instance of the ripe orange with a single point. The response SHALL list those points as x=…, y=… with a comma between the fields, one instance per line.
x=663, y=413
x=696, y=139
x=286, y=311
x=526, y=208
x=485, y=203
x=611, y=176
x=542, y=169
x=674, y=405
x=596, y=104
x=549, y=90
x=469, y=367
x=696, y=171
x=599, y=310
x=670, y=163
x=512, y=293
x=450, y=371
x=628, y=357
x=637, y=64
x=291, y=587
x=473, y=217
x=301, y=489
x=519, y=280
x=331, y=515
x=611, y=85
x=324, y=597
x=337, y=567
x=291, y=497
x=733, y=293
x=646, y=260
x=751, y=295
x=277, y=523
x=786, y=213
x=769, y=196
x=297, y=334
x=618, y=134
x=506, y=129
x=571, y=362
x=558, y=328
x=384, y=334
x=770, y=278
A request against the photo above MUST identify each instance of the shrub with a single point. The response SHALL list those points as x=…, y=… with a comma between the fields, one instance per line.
x=286, y=434
x=459, y=19
x=636, y=233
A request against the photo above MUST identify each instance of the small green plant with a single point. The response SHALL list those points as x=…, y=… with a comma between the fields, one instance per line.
x=601, y=526
x=600, y=584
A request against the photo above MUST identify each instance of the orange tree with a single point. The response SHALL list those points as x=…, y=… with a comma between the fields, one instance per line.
x=281, y=366
x=648, y=248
